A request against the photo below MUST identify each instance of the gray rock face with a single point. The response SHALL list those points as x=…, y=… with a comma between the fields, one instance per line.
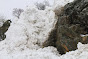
x=72, y=22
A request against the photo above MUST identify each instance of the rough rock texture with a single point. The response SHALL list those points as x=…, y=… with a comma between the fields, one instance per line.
x=72, y=22
x=3, y=29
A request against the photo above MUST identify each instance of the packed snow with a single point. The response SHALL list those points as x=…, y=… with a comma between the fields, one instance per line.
x=25, y=36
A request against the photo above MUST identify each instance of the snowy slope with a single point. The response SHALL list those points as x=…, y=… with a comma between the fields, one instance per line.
x=25, y=37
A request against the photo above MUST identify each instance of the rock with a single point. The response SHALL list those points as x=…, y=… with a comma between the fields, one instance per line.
x=72, y=22
x=3, y=29
x=51, y=41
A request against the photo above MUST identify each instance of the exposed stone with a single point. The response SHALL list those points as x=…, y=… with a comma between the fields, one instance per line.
x=3, y=29
x=72, y=22
x=51, y=41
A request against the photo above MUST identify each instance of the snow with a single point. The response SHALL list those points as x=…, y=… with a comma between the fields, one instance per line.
x=80, y=53
x=25, y=37
x=62, y=2
x=83, y=35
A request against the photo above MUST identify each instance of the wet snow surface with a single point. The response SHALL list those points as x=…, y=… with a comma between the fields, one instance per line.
x=25, y=37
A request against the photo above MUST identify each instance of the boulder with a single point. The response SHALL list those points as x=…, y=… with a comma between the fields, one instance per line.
x=4, y=29
x=72, y=23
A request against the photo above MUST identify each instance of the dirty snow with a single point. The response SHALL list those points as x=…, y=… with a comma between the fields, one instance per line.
x=25, y=37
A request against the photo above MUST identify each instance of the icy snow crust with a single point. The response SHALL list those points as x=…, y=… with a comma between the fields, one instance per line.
x=25, y=37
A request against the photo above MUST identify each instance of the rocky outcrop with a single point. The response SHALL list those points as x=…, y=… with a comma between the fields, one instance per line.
x=72, y=22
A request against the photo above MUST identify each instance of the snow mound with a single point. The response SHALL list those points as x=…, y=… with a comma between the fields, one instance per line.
x=32, y=29
x=26, y=35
